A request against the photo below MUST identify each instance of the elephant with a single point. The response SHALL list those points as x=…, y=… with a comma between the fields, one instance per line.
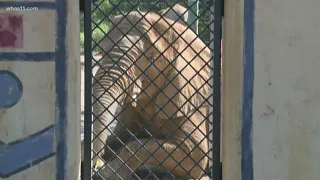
x=167, y=68
x=176, y=13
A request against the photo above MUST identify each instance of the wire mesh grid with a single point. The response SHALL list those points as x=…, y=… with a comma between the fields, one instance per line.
x=152, y=93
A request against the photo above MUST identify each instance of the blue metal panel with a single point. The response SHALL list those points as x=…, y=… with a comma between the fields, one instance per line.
x=248, y=80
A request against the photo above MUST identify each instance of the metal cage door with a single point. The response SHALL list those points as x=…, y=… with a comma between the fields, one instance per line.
x=126, y=63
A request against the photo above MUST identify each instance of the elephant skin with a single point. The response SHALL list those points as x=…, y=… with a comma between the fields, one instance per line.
x=177, y=13
x=168, y=69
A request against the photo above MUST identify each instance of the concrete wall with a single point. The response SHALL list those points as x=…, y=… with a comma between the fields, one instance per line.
x=39, y=91
x=272, y=127
x=286, y=126
x=232, y=53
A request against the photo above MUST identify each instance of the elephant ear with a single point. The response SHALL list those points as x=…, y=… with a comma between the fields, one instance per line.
x=184, y=87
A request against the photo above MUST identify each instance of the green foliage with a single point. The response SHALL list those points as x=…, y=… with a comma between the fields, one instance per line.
x=103, y=12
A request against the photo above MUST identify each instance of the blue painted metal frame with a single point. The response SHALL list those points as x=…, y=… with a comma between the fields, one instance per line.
x=61, y=64
x=248, y=85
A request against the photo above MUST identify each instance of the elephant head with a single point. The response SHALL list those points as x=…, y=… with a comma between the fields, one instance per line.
x=177, y=13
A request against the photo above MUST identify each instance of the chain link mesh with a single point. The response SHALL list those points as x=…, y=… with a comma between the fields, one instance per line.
x=134, y=73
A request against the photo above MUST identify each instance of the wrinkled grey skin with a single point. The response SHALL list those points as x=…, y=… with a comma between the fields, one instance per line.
x=106, y=99
x=105, y=120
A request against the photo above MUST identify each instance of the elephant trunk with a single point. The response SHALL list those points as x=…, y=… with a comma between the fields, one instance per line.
x=112, y=83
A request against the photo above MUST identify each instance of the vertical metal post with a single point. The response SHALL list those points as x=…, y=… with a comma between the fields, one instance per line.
x=193, y=14
x=87, y=164
x=215, y=46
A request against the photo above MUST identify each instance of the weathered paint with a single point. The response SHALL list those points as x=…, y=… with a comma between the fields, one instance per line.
x=36, y=36
x=11, y=30
x=10, y=90
x=61, y=67
x=27, y=56
x=248, y=90
x=21, y=124
x=45, y=121
x=73, y=140
x=12, y=161
x=286, y=116
x=280, y=130
x=232, y=88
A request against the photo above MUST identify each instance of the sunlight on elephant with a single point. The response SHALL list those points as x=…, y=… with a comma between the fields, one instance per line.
x=168, y=69
x=177, y=13
x=160, y=76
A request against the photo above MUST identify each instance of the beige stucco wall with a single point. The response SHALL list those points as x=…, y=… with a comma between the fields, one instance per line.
x=286, y=99
x=36, y=109
x=231, y=87
x=74, y=90
x=286, y=116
